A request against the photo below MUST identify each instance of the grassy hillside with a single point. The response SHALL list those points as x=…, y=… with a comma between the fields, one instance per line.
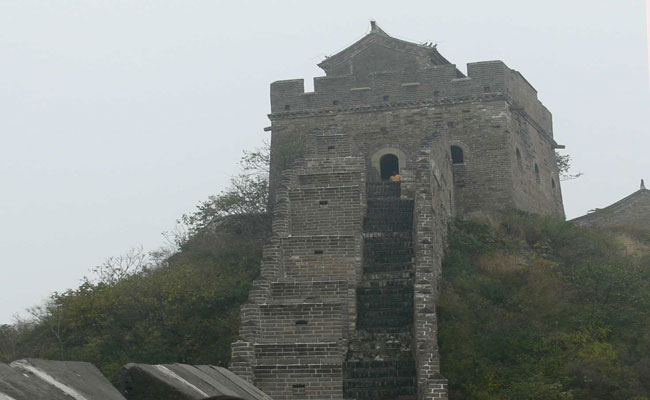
x=536, y=308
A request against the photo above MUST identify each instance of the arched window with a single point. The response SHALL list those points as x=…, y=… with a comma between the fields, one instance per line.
x=518, y=153
x=537, y=173
x=389, y=165
x=457, y=155
x=553, y=183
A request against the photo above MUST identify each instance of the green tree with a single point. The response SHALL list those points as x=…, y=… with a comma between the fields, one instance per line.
x=247, y=195
x=563, y=162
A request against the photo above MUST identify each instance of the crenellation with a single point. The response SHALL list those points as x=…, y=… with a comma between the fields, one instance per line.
x=430, y=84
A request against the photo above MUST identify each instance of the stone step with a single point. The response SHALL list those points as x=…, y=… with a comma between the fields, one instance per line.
x=390, y=204
x=378, y=249
x=389, y=215
x=388, y=257
x=386, y=329
x=374, y=379
x=387, y=278
x=370, y=225
x=381, y=393
x=363, y=337
x=383, y=190
x=388, y=267
x=392, y=307
x=395, y=310
x=380, y=368
x=386, y=291
x=375, y=253
x=388, y=325
x=380, y=350
x=407, y=236
x=390, y=237
x=386, y=227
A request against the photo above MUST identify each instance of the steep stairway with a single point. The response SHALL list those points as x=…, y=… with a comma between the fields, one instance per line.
x=380, y=364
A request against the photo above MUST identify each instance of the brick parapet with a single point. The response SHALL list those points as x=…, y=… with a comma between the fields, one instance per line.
x=300, y=312
x=433, y=209
x=387, y=89
x=242, y=359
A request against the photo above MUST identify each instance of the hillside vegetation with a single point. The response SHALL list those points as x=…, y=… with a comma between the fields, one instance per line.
x=537, y=308
x=530, y=308
x=186, y=310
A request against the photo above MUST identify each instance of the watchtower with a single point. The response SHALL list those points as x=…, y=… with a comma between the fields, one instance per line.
x=366, y=173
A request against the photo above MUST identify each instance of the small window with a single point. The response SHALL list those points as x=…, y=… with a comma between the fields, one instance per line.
x=553, y=183
x=302, y=322
x=518, y=153
x=318, y=252
x=487, y=89
x=323, y=202
x=436, y=93
x=537, y=173
x=335, y=102
x=457, y=155
x=287, y=107
x=386, y=98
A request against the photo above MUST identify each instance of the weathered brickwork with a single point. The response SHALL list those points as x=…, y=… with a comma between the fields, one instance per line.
x=433, y=210
x=295, y=328
x=346, y=303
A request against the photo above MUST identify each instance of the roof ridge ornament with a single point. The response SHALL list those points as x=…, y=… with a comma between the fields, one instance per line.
x=642, y=184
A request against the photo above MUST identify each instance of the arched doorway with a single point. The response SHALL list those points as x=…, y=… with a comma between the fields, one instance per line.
x=388, y=165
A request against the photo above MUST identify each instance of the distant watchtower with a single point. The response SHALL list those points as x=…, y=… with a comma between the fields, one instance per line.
x=345, y=306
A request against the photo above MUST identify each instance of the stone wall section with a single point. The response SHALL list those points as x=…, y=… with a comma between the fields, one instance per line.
x=433, y=210
x=532, y=160
x=295, y=327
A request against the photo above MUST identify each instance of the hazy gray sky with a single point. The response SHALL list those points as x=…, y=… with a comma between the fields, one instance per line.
x=116, y=117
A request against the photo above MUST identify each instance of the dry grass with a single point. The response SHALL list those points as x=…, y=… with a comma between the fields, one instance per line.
x=632, y=246
x=490, y=220
x=499, y=262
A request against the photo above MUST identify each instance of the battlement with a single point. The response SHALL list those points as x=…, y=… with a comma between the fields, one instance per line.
x=439, y=83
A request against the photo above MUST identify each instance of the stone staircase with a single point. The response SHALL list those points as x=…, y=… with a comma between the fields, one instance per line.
x=380, y=363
